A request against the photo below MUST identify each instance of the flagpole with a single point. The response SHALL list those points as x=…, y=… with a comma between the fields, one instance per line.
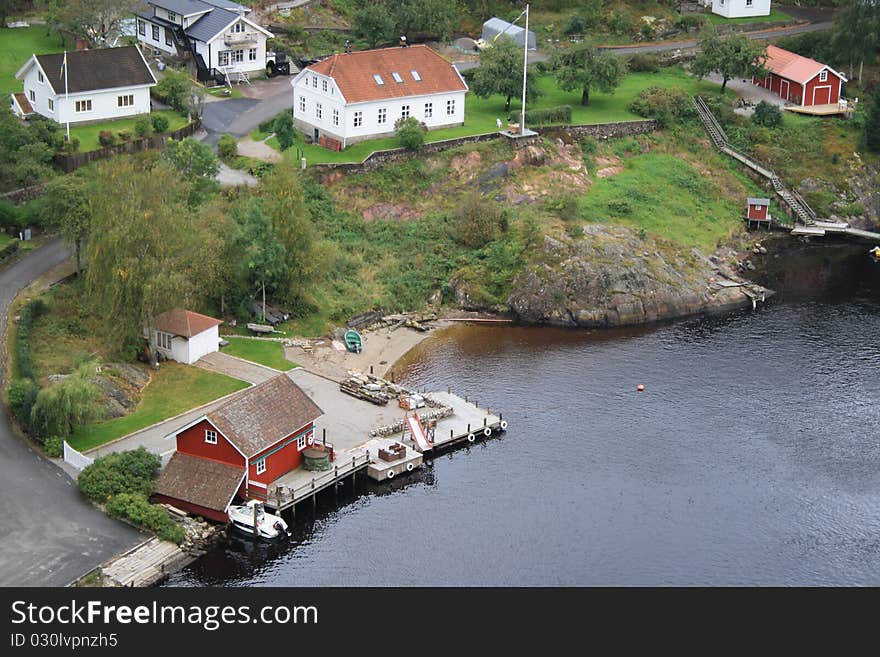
x=66, y=96
x=522, y=123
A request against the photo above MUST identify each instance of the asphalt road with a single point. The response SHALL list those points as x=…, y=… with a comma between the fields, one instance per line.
x=241, y=116
x=49, y=534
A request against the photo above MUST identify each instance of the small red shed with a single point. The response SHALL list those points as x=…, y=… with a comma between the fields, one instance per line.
x=758, y=211
x=801, y=80
x=239, y=448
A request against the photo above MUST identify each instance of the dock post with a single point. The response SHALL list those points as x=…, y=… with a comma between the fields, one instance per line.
x=293, y=511
x=371, y=369
x=314, y=504
x=484, y=423
x=469, y=427
x=392, y=376
x=450, y=434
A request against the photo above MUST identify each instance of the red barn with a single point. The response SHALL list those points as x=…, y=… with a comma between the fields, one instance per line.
x=239, y=449
x=801, y=80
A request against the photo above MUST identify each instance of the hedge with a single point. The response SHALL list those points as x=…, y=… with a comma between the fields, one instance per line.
x=137, y=509
x=559, y=114
x=121, y=472
x=24, y=365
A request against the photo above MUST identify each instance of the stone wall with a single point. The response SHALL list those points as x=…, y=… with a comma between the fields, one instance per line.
x=25, y=194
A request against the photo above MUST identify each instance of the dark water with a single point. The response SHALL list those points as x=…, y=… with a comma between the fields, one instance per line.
x=753, y=457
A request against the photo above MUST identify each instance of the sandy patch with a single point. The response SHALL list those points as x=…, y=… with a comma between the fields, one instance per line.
x=258, y=150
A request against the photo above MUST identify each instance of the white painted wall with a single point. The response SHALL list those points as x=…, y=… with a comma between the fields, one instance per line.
x=248, y=65
x=741, y=8
x=147, y=37
x=188, y=351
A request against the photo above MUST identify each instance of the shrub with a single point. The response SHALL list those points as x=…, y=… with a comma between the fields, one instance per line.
x=22, y=395
x=267, y=126
x=227, y=148
x=23, y=363
x=135, y=508
x=143, y=127
x=124, y=135
x=619, y=207
x=106, y=138
x=54, y=446
x=767, y=115
x=284, y=130
x=410, y=133
x=575, y=25
x=176, y=89
x=160, y=123
x=121, y=472
x=559, y=114
x=477, y=221
x=70, y=147
x=688, y=22
x=588, y=144
x=644, y=63
x=667, y=106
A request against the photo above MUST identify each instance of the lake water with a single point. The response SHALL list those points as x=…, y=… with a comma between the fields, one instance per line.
x=753, y=457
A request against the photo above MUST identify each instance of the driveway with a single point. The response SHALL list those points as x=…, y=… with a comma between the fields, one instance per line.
x=241, y=116
x=49, y=534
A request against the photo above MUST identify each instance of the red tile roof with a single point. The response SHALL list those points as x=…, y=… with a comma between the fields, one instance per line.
x=259, y=417
x=353, y=73
x=200, y=481
x=186, y=323
x=794, y=67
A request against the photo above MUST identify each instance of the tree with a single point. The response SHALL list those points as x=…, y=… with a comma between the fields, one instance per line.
x=141, y=246
x=191, y=158
x=584, y=67
x=67, y=206
x=179, y=91
x=374, y=23
x=96, y=21
x=856, y=33
x=284, y=130
x=410, y=133
x=433, y=19
x=872, y=124
x=60, y=407
x=262, y=258
x=7, y=7
x=730, y=55
x=25, y=150
x=767, y=115
x=500, y=72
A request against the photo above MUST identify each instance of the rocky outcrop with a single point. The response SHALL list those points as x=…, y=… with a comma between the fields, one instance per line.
x=612, y=276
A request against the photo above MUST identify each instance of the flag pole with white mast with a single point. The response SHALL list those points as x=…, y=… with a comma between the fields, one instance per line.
x=522, y=123
x=66, y=94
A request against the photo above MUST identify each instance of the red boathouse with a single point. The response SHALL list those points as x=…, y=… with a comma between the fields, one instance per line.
x=801, y=80
x=758, y=211
x=239, y=449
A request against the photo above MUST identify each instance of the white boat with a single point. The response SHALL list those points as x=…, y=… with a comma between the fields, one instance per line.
x=268, y=525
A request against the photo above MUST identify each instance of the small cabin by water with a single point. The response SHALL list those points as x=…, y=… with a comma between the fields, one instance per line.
x=758, y=211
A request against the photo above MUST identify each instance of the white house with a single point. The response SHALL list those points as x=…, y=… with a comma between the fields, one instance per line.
x=185, y=336
x=355, y=96
x=741, y=8
x=216, y=33
x=109, y=83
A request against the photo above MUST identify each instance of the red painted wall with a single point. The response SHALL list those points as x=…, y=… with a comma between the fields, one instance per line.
x=757, y=212
x=279, y=463
x=833, y=81
x=195, y=509
x=192, y=441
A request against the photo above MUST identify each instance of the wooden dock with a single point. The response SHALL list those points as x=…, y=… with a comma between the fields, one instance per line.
x=467, y=423
x=300, y=485
x=146, y=564
x=381, y=469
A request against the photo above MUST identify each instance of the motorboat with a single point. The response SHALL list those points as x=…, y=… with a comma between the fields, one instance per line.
x=875, y=253
x=269, y=526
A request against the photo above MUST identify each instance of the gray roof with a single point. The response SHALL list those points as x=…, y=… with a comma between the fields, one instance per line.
x=92, y=70
x=226, y=4
x=182, y=7
x=503, y=26
x=210, y=25
x=758, y=201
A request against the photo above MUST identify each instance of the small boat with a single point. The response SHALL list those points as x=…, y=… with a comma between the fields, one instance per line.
x=268, y=525
x=353, y=341
x=875, y=253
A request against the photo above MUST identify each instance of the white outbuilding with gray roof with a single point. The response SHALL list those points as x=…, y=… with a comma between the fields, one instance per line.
x=495, y=28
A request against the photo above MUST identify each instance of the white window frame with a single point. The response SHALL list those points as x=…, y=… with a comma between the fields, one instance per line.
x=238, y=28
x=210, y=436
x=450, y=107
x=336, y=117
x=126, y=100
x=748, y=3
x=260, y=465
x=222, y=58
x=429, y=110
x=315, y=81
x=51, y=104
x=163, y=339
x=142, y=28
x=823, y=76
x=382, y=115
x=324, y=86
x=172, y=17
x=302, y=104
x=404, y=111
x=238, y=56
x=32, y=95
x=358, y=119
x=319, y=111
x=252, y=54
x=301, y=443
x=40, y=77
x=155, y=33
x=81, y=106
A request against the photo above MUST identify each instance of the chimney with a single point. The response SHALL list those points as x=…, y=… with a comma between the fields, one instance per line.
x=402, y=41
x=347, y=47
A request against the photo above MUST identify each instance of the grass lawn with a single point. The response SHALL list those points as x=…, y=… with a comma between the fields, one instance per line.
x=16, y=45
x=667, y=197
x=4, y=239
x=175, y=388
x=775, y=15
x=265, y=352
x=480, y=113
x=217, y=92
x=88, y=134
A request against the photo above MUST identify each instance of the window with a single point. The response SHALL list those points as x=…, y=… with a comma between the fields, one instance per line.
x=40, y=76
x=142, y=28
x=383, y=115
x=301, y=442
x=748, y=3
x=404, y=112
x=223, y=58
x=335, y=117
x=416, y=76
x=378, y=78
x=51, y=105
x=252, y=55
x=302, y=104
x=315, y=81
x=32, y=95
x=358, y=119
x=237, y=56
x=318, y=110
x=168, y=41
x=450, y=107
x=238, y=27
x=162, y=339
x=172, y=17
x=261, y=466
x=311, y=436
x=429, y=110
x=155, y=32
x=396, y=76
x=83, y=105
x=210, y=437
x=324, y=86
x=125, y=101
x=823, y=76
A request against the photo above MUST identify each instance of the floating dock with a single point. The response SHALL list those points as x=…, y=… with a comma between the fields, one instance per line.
x=381, y=469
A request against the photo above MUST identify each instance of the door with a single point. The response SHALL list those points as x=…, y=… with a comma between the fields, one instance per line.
x=821, y=95
x=316, y=135
x=783, y=89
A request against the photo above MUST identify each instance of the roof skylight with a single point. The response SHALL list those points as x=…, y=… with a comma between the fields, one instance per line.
x=396, y=76
x=378, y=78
x=416, y=76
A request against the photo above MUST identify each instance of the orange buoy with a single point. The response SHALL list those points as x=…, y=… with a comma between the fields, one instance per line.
x=711, y=279
x=640, y=388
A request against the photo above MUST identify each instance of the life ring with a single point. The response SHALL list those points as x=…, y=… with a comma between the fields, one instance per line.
x=390, y=474
x=487, y=432
x=471, y=437
x=504, y=425
x=409, y=467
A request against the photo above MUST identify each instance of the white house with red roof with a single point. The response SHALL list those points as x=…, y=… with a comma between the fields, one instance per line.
x=801, y=80
x=185, y=336
x=351, y=97
x=741, y=8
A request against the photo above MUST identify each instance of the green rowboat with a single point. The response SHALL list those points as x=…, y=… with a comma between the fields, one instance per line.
x=353, y=341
